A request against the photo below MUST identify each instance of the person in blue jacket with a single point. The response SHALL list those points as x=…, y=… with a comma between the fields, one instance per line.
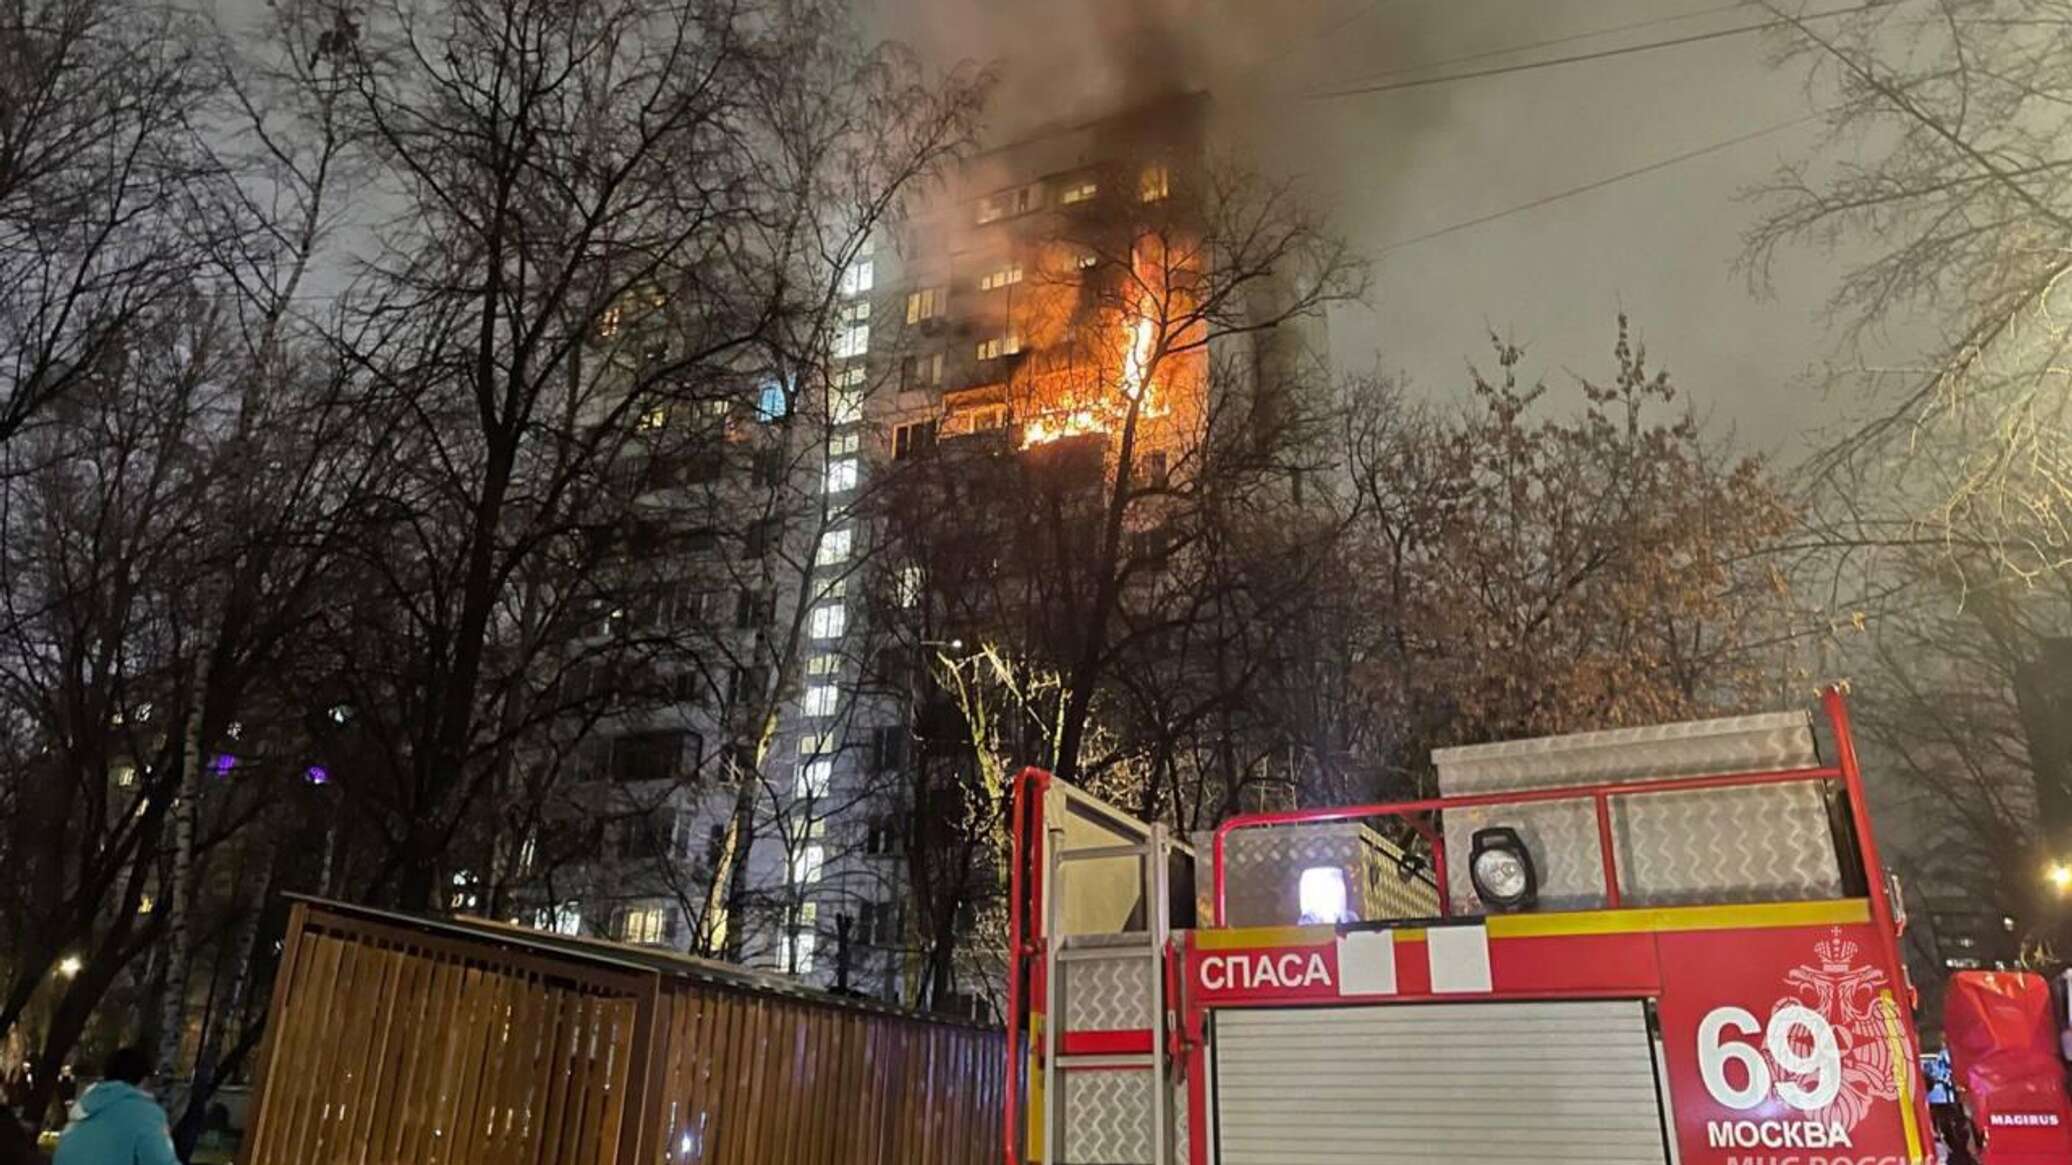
x=116, y=1122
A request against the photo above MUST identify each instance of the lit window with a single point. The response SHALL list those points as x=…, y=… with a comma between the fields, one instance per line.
x=819, y=700
x=654, y=418
x=927, y=303
x=845, y=405
x=812, y=744
x=772, y=404
x=909, y=589
x=858, y=277
x=829, y=622
x=642, y=924
x=125, y=776
x=841, y=475
x=802, y=952
x=821, y=664
x=842, y=444
x=994, y=347
x=834, y=548
x=815, y=777
x=1006, y=276
x=806, y=864
x=567, y=918
x=852, y=341
x=834, y=588
x=1157, y=183
x=1079, y=192
x=1321, y=894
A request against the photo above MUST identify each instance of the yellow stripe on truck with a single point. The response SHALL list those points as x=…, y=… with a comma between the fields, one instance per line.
x=1838, y=912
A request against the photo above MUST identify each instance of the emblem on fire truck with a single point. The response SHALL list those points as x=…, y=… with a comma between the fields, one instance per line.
x=1850, y=996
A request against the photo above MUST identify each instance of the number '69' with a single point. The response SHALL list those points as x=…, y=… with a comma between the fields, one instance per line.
x=1823, y=1063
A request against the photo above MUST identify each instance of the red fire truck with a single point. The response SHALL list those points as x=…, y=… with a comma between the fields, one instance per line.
x=1671, y=944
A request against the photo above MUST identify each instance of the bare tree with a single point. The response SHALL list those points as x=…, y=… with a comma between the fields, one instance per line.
x=1958, y=215
x=97, y=163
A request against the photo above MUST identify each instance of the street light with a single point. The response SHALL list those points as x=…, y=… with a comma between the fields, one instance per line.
x=2060, y=876
x=69, y=966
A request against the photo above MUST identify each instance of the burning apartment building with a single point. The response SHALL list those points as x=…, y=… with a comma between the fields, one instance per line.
x=1028, y=377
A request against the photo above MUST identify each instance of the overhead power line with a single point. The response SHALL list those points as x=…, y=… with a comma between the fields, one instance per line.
x=1580, y=58
x=1551, y=42
x=1601, y=183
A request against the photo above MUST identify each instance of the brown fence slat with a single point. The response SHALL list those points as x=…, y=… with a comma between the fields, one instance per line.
x=397, y=1042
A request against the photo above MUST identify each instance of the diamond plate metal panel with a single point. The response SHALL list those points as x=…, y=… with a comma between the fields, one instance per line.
x=1721, y=845
x=1178, y=1109
x=1107, y=1117
x=1264, y=872
x=1110, y=993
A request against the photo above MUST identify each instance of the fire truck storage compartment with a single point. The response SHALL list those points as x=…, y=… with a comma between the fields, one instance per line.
x=1414, y=1083
x=1769, y=843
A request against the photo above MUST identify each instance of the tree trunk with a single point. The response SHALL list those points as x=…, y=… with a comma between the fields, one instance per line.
x=178, y=939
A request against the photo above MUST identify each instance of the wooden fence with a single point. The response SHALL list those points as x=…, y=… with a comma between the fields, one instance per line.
x=402, y=1041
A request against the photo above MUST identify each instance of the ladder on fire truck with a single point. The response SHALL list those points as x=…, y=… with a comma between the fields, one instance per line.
x=1089, y=995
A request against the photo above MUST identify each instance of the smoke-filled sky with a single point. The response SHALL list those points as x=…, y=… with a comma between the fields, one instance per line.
x=1397, y=166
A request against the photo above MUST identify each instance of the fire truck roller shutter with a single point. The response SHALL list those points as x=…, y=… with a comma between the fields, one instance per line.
x=1462, y=1083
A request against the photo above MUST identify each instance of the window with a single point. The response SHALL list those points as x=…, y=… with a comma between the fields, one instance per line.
x=888, y=747
x=833, y=588
x=1006, y=276
x=912, y=440
x=125, y=776
x=1088, y=260
x=907, y=591
x=883, y=837
x=994, y=347
x=1008, y=203
x=807, y=863
x=858, y=277
x=1155, y=471
x=834, y=547
x=927, y=304
x=815, y=778
x=978, y=419
x=648, y=756
x=829, y=621
x=773, y=404
x=842, y=444
x=754, y=610
x=813, y=744
x=845, y=405
x=800, y=952
x=653, y=418
x=841, y=475
x=852, y=340
x=819, y=700
x=920, y=371
x=567, y=918
x=1078, y=192
x=642, y=924
x=822, y=664
x=1156, y=183
x=746, y=683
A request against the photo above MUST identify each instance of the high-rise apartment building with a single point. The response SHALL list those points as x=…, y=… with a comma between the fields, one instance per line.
x=1025, y=348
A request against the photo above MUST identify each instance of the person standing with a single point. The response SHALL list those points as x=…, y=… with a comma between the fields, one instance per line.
x=116, y=1122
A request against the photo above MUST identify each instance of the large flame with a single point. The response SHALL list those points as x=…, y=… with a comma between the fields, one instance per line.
x=1078, y=418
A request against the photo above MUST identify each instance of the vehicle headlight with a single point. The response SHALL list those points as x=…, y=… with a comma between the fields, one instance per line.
x=1501, y=868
